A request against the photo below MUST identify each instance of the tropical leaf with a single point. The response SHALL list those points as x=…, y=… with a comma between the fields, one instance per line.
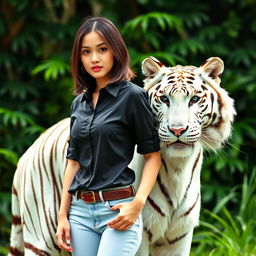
x=15, y=118
x=163, y=20
x=52, y=68
x=9, y=155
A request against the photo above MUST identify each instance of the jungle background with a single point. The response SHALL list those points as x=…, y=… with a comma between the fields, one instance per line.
x=36, y=38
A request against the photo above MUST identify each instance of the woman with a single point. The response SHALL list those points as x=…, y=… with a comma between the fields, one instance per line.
x=99, y=209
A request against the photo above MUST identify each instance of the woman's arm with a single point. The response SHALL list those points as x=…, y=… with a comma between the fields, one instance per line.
x=149, y=175
x=130, y=212
x=63, y=229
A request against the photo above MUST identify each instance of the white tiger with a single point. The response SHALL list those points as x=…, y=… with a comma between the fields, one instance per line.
x=193, y=112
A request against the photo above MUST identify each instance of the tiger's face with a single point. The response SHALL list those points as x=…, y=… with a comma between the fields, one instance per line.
x=189, y=105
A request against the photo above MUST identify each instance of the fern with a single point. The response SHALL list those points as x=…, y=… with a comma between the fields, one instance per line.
x=163, y=20
x=52, y=68
x=15, y=118
x=9, y=156
x=187, y=46
x=231, y=234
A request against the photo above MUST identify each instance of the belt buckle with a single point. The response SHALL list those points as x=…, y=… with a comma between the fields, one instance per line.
x=92, y=193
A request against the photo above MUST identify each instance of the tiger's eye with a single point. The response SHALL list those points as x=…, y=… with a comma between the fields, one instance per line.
x=194, y=100
x=164, y=99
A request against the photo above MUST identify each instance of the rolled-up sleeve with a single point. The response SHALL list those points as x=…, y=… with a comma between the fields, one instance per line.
x=144, y=125
x=71, y=151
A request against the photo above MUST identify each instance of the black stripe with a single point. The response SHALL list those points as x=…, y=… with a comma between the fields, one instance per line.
x=37, y=210
x=42, y=194
x=164, y=190
x=150, y=235
x=191, y=208
x=163, y=162
x=176, y=239
x=155, y=206
x=30, y=216
x=56, y=192
x=192, y=174
x=14, y=191
x=16, y=220
x=54, y=226
x=42, y=158
x=36, y=250
x=15, y=251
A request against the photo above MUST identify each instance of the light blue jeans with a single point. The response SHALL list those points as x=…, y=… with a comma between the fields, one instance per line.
x=90, y=235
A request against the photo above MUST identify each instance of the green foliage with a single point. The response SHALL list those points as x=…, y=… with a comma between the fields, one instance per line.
x=15, y=117
x=158, y=19
x=9, y=156
x=230, y=233
x=229, y=236
x=36, y=42
x=5, y=221
x=53, y=68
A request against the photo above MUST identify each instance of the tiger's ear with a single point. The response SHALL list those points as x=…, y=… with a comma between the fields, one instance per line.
x=151, y=67
x=213, y=67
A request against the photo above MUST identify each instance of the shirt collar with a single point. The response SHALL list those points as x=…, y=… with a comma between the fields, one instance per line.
x=85, y=95
x=112, y=89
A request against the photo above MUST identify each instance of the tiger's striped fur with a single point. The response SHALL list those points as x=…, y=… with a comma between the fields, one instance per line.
x=193, y=112
x=172, y=209
x=36, y=193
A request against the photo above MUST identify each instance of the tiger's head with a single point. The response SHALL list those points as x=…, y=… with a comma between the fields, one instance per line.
x=190, y=106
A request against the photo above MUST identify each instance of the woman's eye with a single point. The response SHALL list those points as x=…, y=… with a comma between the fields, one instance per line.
x=103, y=49
x=164, y=99
x=193, y=100
x=86, y=52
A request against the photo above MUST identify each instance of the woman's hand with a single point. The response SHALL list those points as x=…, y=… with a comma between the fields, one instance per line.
x=63, y=229
x=63, y=234
x=129, y=212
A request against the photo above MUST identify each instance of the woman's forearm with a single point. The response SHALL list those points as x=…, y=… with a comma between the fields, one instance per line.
x=129, y=212
x=149, y=175
x=70, y=172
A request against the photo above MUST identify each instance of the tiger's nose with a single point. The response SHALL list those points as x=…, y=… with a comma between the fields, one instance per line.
x=178, y=132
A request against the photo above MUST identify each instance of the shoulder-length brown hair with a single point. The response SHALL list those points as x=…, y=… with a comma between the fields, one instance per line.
x=107, y=30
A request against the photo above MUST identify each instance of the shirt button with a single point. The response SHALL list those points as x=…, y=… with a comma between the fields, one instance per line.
x=87, y=126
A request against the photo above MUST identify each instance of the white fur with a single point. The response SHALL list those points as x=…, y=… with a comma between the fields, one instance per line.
x=176, y=174
x=37, y=192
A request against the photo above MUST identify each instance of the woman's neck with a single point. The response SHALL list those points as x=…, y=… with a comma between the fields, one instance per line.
x=100, y=84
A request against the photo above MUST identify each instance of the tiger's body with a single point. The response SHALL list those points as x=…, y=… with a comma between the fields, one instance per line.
x=36, y=193
x=192, y=111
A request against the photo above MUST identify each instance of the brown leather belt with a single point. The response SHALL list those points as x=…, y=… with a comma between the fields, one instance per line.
x=106, y=195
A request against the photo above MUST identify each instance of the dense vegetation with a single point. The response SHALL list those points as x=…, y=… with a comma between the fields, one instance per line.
x=36, y=39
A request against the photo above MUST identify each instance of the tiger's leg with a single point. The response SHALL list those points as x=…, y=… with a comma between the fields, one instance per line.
x=16, y=239
x=179, y=246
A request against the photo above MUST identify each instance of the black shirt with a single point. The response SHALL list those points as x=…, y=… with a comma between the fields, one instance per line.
x=102, y=140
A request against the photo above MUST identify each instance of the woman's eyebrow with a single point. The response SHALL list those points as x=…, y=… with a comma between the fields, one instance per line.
x=96, y=45
x=100, y=44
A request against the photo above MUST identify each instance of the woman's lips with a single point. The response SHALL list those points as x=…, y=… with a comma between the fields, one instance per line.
x=96, y=68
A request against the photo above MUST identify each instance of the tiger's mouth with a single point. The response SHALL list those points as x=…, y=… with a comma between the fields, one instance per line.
x=179, y=144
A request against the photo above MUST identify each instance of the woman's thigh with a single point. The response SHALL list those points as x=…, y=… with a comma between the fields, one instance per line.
x=84, y=239
x=121, y=243
x=90, y=233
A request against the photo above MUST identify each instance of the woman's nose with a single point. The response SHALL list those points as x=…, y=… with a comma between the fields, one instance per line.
x=95, y=57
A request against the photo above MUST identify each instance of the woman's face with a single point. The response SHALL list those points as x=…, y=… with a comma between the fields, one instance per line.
x=97, y=58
